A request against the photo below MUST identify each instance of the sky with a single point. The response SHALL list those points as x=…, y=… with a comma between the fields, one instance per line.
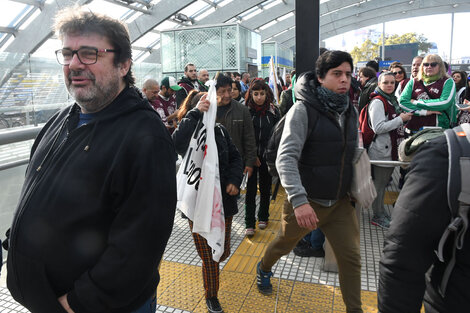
x=438, y=32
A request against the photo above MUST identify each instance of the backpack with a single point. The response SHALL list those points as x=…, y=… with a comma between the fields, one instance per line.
x=458, y=195
x=270, y=153
x=368, y=135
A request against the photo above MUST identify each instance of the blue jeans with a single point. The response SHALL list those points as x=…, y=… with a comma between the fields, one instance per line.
x=315, y=238
x=150, y=306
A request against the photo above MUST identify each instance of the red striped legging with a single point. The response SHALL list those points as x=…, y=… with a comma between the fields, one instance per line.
x=210, y=268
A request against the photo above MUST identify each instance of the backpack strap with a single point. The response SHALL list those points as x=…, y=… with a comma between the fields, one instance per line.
x=311, y=112
x=458, y=195
x=384, y=101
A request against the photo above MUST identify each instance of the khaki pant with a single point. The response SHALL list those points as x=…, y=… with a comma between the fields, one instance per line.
x=341, y=228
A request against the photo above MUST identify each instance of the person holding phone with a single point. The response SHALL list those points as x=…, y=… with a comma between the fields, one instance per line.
x=385, y=120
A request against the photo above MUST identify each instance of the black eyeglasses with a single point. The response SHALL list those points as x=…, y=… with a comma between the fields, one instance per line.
x=433, y=64
x=86, y=55
x=397, y=73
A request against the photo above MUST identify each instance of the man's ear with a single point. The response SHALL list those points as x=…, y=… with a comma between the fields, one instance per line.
x=124, y=67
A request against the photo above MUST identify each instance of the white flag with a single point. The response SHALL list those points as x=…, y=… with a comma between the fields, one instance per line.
x=273, y=81
x=199, y=193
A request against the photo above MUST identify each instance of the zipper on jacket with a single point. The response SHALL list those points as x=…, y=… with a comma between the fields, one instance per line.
x=343, y=156
x=259, y=140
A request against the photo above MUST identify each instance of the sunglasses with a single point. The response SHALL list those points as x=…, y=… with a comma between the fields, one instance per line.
x=433, y=64
x=397, y=73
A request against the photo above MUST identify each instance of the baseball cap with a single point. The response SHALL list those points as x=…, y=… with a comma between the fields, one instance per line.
x=170, y=82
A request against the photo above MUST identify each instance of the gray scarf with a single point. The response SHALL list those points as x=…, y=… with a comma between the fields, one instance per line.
x=333, y=101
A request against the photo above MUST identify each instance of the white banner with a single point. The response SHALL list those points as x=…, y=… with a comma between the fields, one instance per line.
x=198, y=180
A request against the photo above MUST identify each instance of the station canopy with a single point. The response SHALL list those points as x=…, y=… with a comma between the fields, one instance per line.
x=25, y=25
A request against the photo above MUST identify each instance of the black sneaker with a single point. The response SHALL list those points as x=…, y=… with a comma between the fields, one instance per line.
x=308, y=251
x=263, y=280
x=213, y=305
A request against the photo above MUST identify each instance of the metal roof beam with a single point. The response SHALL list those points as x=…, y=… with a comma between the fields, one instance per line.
x=160, y=12
x=131, y=7
x=270, y=14
x=35, y=3
x=284, y=36
x=8, y=30
x=209, y=2
x=229, y=11
x=277, y=28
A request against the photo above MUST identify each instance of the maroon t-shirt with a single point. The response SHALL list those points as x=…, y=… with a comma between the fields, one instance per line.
x=165, y=107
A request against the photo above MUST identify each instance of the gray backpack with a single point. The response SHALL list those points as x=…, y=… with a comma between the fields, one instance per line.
x=458, y=197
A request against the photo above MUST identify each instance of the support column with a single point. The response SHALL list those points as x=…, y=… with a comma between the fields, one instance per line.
x=307, y=34
x=451, y=38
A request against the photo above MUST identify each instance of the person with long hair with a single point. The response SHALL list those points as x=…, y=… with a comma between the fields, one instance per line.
x=399, y=72
x=385, y=120
x=230, y=171
x=237, y=92
x=430, y=96
x=259, y=98
x=460, y=79
x=463, y=115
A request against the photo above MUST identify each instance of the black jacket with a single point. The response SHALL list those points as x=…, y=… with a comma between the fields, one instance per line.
x=263, y=125
x=420, y=216
x=230, y=161
x=369, y=88
x=325, y=165
x=95, y=212
x=187, y=85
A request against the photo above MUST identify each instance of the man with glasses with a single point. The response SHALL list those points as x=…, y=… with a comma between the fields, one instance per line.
x=98, y=202
x=188, y=82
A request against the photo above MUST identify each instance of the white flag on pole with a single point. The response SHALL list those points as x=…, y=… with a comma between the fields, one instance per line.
x=273, y=81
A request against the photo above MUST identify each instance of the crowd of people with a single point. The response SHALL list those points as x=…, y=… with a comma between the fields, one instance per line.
x=99, y=198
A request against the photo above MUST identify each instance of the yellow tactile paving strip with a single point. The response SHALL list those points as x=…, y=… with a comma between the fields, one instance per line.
x=181, y=285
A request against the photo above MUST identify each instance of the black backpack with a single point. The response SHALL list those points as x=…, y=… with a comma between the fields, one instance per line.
x=270, y=153
x=458, y=195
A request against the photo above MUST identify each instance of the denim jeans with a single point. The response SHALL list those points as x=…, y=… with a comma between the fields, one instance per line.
x=315, y=238
x=150, y=306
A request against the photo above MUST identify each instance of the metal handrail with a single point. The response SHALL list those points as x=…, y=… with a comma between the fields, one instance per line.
x=394, y=163
x=19, y=134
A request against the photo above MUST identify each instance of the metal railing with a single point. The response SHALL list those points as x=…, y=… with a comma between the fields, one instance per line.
x=17, y=135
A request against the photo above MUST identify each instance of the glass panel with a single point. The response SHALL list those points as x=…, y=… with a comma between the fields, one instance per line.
x=166, y=25
x=144, y=71
x=168, y=56
x=146, y=40
x=10, y=11
x=111, y=9
x=203, y=47
x=36, y=13
x=229, y=41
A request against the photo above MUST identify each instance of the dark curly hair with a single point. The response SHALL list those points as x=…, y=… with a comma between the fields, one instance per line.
x=258, y=84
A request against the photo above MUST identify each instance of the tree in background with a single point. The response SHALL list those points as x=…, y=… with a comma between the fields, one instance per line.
x=370, y=50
